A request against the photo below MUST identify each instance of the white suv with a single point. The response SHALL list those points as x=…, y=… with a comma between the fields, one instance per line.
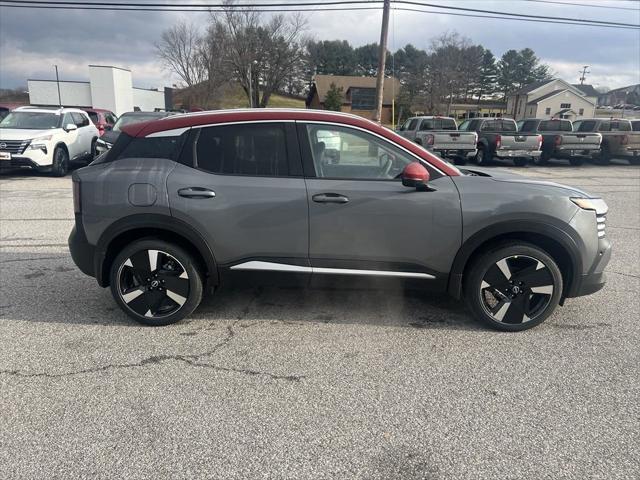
x=46, y=139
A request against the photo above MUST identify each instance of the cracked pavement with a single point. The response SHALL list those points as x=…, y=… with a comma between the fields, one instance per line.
x=287, y=383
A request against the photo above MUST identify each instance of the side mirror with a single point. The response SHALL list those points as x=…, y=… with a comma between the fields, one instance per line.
x=70, y=127
x=415, y=175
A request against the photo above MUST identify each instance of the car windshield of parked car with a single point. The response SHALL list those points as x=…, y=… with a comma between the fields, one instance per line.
x=31, y=120
x=130, y=119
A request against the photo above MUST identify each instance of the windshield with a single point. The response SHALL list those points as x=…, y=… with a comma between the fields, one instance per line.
x=129, y=119
x=31, y=120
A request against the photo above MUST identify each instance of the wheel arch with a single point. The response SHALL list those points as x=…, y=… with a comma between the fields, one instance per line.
x=139, y=226
x=556, y=242
x=62, y=145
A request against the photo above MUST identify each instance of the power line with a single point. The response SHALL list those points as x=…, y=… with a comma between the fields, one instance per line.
x=407, y=9
x=493, y=12
x=609, y=7
x=318, y=6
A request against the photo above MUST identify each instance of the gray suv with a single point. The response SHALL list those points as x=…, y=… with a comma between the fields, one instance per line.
x=190, y=203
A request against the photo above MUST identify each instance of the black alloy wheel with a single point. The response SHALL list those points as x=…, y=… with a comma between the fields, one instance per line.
x=155, y=282
x=514, y=288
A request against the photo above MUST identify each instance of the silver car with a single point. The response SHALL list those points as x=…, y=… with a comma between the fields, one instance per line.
x=192, y=203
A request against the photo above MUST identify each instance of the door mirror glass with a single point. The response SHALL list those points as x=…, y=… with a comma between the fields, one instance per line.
x=415, y=175
x=70, y=126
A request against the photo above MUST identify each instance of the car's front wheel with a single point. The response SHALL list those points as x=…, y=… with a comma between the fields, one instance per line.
x=513, y=287
x=60, y=165
x=155, y=282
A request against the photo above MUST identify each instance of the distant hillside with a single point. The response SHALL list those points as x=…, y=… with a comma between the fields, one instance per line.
x=233, y=97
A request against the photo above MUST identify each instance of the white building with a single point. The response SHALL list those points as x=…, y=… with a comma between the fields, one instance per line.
x=550, y=99
x=110, y=88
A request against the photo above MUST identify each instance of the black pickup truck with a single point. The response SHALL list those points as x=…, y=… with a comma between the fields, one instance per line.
x=499, y=138
x=560, y=141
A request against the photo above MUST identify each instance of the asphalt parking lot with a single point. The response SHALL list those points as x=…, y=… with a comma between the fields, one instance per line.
x=276, y=383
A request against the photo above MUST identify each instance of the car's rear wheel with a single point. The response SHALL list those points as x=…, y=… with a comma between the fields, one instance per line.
x=605, y=155
x=543, y=159
x=60, y=165
x=460, y=160
x=155, y=282
x=513, y=287
x=483, y=157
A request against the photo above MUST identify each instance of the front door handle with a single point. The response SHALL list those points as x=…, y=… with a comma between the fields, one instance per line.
x=196, y=192
x=329, y=198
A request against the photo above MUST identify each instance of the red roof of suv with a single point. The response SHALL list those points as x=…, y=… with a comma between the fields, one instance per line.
x=174, y=122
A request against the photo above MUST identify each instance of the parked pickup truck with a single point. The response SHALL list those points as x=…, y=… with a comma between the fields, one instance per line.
x=618, y=138
x=499, y=138
x=440, y=135
x=560, y=141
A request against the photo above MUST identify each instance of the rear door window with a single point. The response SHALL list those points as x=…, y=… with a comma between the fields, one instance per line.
x=151, y=147
x=250, y=149
x=413, y=125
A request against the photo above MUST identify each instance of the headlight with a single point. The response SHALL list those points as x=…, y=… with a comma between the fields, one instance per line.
x=598, y=205
x=40, y=143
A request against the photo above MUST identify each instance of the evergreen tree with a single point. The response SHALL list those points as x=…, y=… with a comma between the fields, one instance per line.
x=333, y=99
x=488, y=77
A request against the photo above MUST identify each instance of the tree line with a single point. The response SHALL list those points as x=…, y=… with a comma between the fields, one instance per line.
x=274, y=54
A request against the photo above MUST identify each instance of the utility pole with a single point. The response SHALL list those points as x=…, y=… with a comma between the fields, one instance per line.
x=381, y=60
x=58, y=85
x=583, y=74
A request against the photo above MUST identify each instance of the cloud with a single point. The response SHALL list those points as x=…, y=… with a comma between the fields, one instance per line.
x=31, y=41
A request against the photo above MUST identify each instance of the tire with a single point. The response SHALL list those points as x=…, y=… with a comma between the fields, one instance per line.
x=520, y=161
x=60, y=165
x=542, y=160
x=155, y=296
x=458, y=160
x=605, y=156
x=500, y=283
x=483, y=158
x=93, y=150
x=634, y=161
x=576, y=161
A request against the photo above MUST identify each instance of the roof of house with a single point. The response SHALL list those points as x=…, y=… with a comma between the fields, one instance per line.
x=323, y=83
x=588, y=90
x=622, y=89
x=544, y=97
x=531, y=87
x=557, y=92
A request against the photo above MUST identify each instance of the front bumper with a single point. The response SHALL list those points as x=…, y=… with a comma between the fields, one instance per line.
x=30, y=158
x=595, y=279
x=518, y=153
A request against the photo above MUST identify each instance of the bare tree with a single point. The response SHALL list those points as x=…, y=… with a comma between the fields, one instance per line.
x=180, y=50
x=261, y=52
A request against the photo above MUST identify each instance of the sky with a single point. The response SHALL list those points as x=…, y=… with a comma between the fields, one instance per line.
x=32, y=41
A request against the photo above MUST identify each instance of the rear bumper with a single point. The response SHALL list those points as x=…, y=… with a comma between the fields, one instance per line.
x=624, y=153
x=517, y=153
x=82, y=252
x=459, y=152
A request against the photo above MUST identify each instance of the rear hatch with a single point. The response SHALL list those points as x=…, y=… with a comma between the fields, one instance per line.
x=579, y=141
x=454, y=140
x=517, y=141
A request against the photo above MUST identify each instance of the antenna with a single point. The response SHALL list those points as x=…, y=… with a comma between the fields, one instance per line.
x=583, y=74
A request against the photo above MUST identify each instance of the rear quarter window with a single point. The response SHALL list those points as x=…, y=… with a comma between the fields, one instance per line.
x=149, y=147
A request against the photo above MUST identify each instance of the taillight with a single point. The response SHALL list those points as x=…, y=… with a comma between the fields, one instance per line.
x=558, y=140
x=430, y=139
x=101, y=129
x=77, y=206
x=624, y=140
x=498, y=141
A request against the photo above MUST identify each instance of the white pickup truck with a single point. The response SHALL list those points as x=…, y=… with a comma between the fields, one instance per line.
x=440, y=135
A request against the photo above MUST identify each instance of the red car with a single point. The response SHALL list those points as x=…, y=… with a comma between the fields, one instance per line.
x=5, y=108
x=103, y=119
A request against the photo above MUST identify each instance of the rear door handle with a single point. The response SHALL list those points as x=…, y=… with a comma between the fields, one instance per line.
x=196, y=192
x=329, y=198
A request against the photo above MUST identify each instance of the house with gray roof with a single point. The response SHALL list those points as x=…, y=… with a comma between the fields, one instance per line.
x=553, y=98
